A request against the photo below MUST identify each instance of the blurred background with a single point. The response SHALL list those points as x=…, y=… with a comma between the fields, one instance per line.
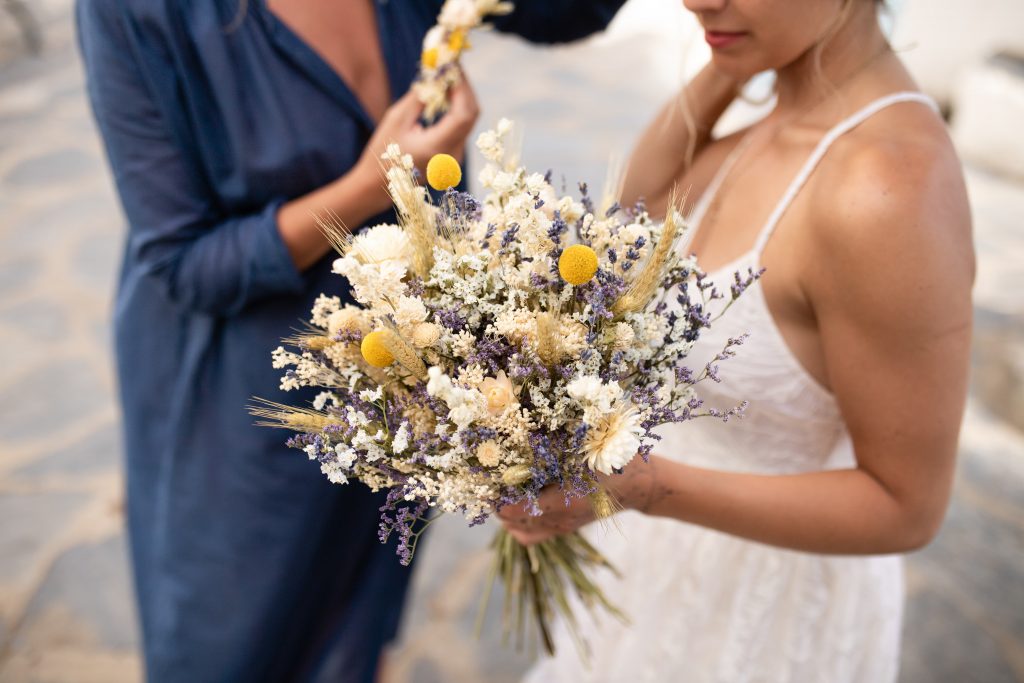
x=66, y=612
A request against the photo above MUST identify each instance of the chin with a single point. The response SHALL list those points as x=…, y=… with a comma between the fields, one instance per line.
x=736, y=66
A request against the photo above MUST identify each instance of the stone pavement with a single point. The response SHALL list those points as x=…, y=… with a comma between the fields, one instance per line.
x=65, y=607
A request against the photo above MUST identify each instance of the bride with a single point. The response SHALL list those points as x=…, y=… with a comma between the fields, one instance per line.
x=766, y=549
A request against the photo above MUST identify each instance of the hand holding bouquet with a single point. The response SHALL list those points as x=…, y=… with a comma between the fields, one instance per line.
x=500, y=347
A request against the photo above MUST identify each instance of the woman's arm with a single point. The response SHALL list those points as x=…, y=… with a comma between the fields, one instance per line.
x=677, y=134
x=891, y=291
x=204, y=260
x=361, y=193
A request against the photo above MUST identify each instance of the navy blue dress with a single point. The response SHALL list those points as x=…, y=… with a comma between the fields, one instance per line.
x=249, y=566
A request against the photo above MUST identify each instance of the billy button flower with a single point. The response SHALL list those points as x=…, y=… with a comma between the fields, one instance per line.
x=577, y=264
x=457, y=41
x=375, y=350
x=443, y=172
x=429, y=58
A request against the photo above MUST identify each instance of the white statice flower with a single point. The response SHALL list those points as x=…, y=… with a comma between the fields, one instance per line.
x=491, y=146
x=613, y=441
x=465, y=406
x=570, y=209
x=517, y=324
x=323, y=307
x=471, y=376
x=573, y=340
x=401, y=439
x=459, y=14
x=384, y=242
x=623, y=336
x=322, y=398
x=334, y=472
x=373, y=282
x=597, y=398
x=371, y=395
x=346, y=455
x=463, y=343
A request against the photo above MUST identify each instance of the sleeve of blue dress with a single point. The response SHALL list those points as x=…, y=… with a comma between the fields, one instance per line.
x=204, y=262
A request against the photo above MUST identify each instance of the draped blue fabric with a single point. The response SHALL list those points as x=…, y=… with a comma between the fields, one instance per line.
x=249, y=566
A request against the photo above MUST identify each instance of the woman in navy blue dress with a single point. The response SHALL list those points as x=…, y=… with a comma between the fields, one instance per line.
x=226, y=125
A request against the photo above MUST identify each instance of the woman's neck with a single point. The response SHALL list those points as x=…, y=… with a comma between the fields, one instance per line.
x=819, y=73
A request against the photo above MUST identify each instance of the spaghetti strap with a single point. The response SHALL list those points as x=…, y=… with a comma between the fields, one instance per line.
x=841, y=128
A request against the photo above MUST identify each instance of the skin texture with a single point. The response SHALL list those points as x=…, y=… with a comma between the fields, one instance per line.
x=868, y=277
x=344, y=33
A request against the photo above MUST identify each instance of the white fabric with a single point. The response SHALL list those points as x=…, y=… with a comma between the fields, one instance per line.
x=707, y=607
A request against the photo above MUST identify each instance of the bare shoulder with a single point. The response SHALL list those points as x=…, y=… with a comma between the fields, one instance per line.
x=893, y=191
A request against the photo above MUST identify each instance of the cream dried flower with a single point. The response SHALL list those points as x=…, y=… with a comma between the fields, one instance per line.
x=499, y=392
x=613, y=441
x=489, y=454
x=385, y=242
x=348, y=319
x=425, y=335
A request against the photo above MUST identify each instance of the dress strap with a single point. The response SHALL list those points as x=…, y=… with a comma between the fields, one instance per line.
x=841, y=128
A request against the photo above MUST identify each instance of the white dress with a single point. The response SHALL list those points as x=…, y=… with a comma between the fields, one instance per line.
x=708, y=607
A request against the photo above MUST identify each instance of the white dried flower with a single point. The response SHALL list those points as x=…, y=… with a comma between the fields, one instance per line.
x=613, y=441
x=489, y=454
x=385, y=242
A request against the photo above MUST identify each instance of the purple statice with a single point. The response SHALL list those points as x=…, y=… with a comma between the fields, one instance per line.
x=490, y=354
x=727, y=352
x=405, y=520
x=461, y=205
x=735, y=411
x=450, y=318
x=485, y=243
x=741, y=283
x=558, y=228
x=508, y=237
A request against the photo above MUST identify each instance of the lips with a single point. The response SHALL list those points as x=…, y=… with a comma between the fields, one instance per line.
x=722, y=39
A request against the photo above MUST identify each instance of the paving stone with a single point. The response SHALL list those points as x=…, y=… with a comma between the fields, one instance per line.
x=40, y=320
x=95, y=261
x=981, y=556
x=40, y=403
x=17, y=271
x=88, y=585
x=97, y=453
x=59, y=166
x=942, y=646
x=30, y=522
x=53, y=224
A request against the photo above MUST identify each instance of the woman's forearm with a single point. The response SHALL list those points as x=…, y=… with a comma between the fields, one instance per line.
x=679, y=131
x=353, y=198
x=834, y=512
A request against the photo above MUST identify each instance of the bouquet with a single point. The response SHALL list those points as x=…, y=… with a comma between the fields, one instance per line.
x=444, y=44
x=500, y=346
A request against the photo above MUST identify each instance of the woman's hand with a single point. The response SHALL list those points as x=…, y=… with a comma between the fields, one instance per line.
x=401, y=125
x=631, y=489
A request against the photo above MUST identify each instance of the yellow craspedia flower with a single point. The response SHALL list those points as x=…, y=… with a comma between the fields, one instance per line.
x=374, y=351
x=429, y=58
x=457, y=41
x=443, y=171
x=577, y=264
